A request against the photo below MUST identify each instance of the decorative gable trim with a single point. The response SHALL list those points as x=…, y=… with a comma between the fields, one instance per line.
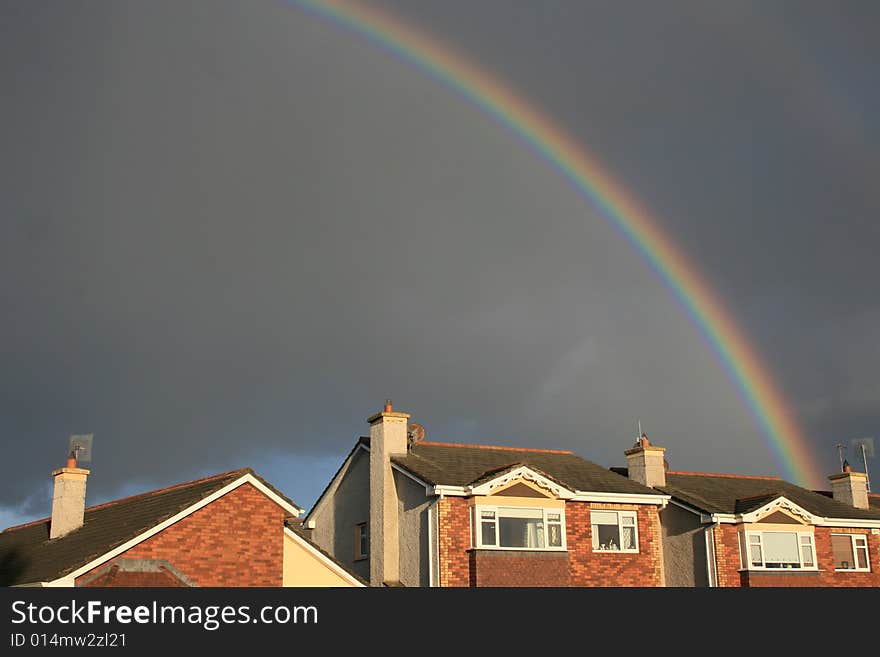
x=781, y=503
x=522, y=473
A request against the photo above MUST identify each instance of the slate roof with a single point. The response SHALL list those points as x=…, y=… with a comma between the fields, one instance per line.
x=724, y=493
x=452, y=464
x=28, y=555
x=874, y=501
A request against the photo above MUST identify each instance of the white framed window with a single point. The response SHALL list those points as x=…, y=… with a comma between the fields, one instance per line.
x=519, y=528
x=777, y=549
x=850, y=551
x=615, y=531
x=361, y=540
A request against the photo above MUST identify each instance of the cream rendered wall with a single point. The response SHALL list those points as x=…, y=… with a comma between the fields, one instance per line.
x=412, y=508
x=304, y=568
x=344, y=505
x=684, y=547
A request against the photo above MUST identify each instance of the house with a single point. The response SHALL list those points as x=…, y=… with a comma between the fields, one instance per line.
x=737, y=530
x=402, y=511
x=229, y=529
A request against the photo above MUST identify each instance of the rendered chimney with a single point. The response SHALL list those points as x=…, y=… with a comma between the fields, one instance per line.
x=850, y=487
x=646, y=463
x=387, y=439
x=69, y=499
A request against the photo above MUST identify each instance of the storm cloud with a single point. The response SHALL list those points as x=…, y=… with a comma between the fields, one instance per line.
x=231, y=230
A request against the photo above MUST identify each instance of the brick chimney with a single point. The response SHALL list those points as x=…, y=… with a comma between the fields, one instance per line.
x=646, y=463
x=387, y=439
x=69, y=499
x=850, y=487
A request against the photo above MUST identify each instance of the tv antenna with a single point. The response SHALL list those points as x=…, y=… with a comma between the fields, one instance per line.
x=80, y=447
x=840, y=447
x=866, y=447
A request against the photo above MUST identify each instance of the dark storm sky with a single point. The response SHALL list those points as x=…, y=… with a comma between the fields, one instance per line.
x=231, y=230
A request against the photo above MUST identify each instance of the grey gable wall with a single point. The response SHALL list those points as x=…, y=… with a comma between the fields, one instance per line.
x=346, y=503
x=684, y=547
x=412, y=506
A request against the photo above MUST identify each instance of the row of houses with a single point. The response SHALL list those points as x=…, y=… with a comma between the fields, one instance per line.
x=403, y=511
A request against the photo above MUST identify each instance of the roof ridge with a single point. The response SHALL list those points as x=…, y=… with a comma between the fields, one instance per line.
x=722, y=474
x=170, y=488
x=136, y=496
x=499, y=447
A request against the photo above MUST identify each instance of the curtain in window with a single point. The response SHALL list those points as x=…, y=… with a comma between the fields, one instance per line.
x=781, y=547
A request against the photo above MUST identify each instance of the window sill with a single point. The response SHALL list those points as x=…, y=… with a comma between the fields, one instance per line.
x=615, y=551
x=781, y=571
x=852, y=570
x=515, y=549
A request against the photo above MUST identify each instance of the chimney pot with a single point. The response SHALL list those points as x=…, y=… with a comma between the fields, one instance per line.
x=388, y=407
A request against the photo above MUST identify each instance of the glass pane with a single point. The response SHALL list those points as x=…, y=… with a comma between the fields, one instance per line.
x=841, y=546
x=521, y=532
x=629, y=538
x=756, y=555
x=487, y=535
x=627, y=521
x=754, y=539
x=808, y=556
x=487, y=514
x=554, y=535
x=553, y=517
x=862, y=557
x=603, y=518
x=780, y=547
x=606, y=537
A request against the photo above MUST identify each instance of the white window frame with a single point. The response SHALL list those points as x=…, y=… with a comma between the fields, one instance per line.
x=361, y=529
x=746, y=550
x=864, y=546
x=477, y=527
x=620, y=516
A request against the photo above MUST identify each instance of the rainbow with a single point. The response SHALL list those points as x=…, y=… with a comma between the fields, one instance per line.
x=781, y=432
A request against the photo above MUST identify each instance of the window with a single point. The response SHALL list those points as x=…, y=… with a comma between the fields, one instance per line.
x=615, y=531
x=778, y=550
x=520, y=528
x=361, y=540
x=850, y=551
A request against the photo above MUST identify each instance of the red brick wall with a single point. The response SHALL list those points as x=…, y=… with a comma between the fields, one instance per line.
x=236, y=540
x=589, y=568
x=455, y=541
x=728, y=553
x=727, y=560
x=461, y=566
x=519, y=568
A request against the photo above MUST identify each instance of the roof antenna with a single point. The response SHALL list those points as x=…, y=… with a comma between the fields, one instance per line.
x=840, y=447
x=640, y=441
x=866, y=446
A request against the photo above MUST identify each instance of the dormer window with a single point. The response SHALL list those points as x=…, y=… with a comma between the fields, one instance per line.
x=519, y=528
x=777, y=549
